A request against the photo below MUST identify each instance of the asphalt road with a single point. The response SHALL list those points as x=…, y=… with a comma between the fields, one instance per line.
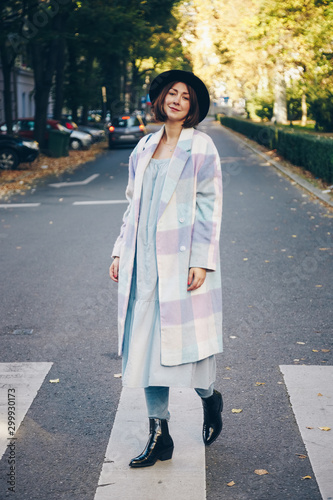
x=276, y=256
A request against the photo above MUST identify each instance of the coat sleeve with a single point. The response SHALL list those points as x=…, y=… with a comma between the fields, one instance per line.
x=208, y=212
x=129, y=196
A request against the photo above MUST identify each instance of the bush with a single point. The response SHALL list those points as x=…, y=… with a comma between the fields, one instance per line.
x=304, y=150
x=263, y=134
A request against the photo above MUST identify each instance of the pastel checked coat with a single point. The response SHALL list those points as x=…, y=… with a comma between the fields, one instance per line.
x=188, y=232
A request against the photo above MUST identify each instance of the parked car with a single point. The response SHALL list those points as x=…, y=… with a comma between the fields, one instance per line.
x=25, y=128
x=16, y=150
x=126, y=129
x=95, y=133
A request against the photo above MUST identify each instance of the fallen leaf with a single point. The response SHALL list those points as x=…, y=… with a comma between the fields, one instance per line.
x=319, y=286
x=227, y=368
x=300, y=343
x=294, y=235
x=232, y=483
x=324, y=249
x=307, y=477
x=319, y=394
x=300, y=455
x=234, y=410
x=54, y=381
x=324, y=428
x=290, y=256
x=315, y=350
x=117, y=375
x=245, y=258
x=325, y=350
x=233, y=337
x=272, y=197
x=266, y=261
x=261, y=472
x=309, y=427
x=260, y=383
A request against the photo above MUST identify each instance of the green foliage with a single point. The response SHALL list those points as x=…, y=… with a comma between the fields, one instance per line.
x=304, y=150
x=258, y=106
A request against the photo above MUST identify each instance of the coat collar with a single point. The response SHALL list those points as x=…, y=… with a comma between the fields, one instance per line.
x=177, y=163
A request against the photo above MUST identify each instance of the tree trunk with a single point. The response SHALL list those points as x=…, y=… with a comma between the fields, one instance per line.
x=44, y=52
x=7, y=66
x=88, y=88
x=60, y=77
x=280, y=95
x=304, y=110
x=72, y=88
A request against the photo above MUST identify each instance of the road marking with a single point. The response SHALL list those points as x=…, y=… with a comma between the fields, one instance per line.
x=19, y=205
x=304, y=384
x=76, y=183
x=182, y=477
x=26, y=379
x=100, y=202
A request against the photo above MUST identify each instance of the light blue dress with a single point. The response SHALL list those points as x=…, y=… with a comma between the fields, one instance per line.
x=142, y=337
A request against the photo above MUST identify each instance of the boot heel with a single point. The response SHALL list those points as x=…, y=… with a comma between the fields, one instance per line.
x=166, y=455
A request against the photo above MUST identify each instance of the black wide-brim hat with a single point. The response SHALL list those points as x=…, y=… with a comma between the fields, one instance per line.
x=177, y=75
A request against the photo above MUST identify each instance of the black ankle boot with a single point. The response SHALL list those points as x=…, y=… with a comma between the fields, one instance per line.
x=212, y=425
x=159, y=446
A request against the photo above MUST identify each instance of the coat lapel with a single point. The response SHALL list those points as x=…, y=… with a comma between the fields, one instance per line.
x=144, y=157
x=176, y=166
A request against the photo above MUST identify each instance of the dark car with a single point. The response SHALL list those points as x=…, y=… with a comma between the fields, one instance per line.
x=14, y=150
x=126, y=130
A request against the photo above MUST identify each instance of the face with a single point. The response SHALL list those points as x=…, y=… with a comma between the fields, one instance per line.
x=177, y=102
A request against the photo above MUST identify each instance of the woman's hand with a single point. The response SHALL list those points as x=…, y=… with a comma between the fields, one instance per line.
x=196, y=277
x=114, y=269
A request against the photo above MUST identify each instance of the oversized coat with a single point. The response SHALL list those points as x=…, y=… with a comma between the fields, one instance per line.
x=188, y=231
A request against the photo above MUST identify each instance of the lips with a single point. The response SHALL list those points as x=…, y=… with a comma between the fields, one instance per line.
x=173, y=109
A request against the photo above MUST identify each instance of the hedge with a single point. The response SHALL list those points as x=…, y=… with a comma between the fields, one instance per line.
x=304, y=150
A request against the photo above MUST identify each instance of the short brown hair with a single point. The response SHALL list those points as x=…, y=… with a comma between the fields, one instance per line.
x=193, y=116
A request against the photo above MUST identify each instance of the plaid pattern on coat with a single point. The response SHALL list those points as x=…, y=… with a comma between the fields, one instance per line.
x=188, y=232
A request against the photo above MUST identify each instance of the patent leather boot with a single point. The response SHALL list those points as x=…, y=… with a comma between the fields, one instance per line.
x=158, y=447
x=212, y=425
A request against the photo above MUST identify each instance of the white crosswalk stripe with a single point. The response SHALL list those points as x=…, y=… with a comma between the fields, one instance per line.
x=19, y=384
x=311, y=394
x=184, y=474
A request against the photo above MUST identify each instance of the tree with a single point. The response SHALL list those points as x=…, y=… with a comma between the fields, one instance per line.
x=11, y=22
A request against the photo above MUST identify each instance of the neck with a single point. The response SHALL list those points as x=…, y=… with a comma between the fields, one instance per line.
x=172, y=131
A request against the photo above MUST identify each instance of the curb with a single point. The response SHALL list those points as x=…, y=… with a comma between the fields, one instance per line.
x=296, y=178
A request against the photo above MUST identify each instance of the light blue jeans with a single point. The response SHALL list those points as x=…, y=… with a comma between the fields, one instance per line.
x=157, y=400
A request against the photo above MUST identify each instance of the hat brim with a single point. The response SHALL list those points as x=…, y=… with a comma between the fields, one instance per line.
x=177, y=75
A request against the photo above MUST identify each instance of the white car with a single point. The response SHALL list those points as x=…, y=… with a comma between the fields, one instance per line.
x=78, y=140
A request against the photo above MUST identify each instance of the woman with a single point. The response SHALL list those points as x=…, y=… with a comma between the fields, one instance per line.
x=167, y=260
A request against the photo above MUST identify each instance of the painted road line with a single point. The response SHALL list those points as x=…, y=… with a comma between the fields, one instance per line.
x=19, y=384
x=100, y=202
x=181, y=477
x=75, y=183
x=19, y=205
x=311, y=394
